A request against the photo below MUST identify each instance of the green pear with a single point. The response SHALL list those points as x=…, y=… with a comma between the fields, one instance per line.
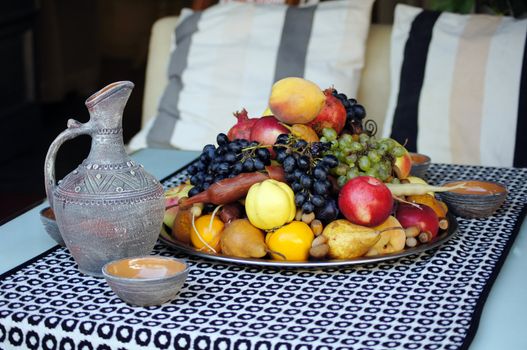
x=347, y=240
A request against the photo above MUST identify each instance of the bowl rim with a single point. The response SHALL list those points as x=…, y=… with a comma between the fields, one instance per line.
x=108, y=275
x=427, y=161
x=41, y=213
x=474, y=195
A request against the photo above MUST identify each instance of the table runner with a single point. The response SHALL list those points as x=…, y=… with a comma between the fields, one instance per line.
x=431, y=300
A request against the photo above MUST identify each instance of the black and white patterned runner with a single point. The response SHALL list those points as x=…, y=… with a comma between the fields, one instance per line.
x=427, y=301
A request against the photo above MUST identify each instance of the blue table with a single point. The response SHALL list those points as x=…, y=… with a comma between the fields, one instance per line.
x=503, y=320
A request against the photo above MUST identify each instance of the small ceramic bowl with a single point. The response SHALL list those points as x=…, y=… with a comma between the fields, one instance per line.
x=420, y=164
x=146, y=280
x=50, y=224
x=477, y=200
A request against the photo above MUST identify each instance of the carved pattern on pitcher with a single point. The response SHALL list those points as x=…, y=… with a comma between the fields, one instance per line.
x=99, y=181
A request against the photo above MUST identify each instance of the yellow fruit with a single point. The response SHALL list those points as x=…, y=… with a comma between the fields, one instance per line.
x=305, y=132
x=293, y=241
x=296, y=100
x=267, y=112
x=270, y=204
x=347, y=240
x=207, y=237
x=439, y=207
x=390, y=241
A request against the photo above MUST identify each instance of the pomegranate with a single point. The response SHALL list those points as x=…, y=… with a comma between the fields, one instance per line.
x=332, y=115
x=266, y=130
x=242, y=128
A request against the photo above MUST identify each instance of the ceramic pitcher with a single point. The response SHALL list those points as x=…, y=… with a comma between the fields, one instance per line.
x=109, y=207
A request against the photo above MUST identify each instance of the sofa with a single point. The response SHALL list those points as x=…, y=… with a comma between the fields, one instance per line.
x=447, y=85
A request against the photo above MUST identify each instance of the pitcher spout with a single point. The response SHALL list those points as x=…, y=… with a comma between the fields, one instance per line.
x=109, y=101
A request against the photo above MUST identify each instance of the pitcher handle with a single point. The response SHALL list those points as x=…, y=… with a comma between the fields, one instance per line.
x=74, y=129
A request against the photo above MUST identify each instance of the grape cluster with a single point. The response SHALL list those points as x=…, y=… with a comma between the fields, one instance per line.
x=362, y=155
x=227, y=160
x=355, y=112
x=306, y=171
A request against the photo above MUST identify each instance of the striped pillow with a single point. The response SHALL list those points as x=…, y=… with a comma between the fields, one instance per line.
x=228, y=56
x=459, y=87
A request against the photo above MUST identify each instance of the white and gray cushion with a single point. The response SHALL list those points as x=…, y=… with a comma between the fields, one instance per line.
x=227, y=57
x=459, y=87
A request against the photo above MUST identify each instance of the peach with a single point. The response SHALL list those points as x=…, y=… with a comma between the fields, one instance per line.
x=296, y=100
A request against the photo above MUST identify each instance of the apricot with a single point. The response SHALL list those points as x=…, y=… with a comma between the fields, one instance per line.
x=296, y=100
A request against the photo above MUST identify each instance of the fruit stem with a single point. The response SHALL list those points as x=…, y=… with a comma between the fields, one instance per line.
x=407, y=202
x=254, y=147
x=275, y=252
x=389, y=229
x=213, y=215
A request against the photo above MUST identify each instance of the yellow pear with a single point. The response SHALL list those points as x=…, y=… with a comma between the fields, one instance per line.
x=240, y=238
x=390, y=241
x=347, y=240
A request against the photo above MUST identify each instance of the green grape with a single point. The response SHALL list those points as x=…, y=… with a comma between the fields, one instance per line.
x=323, y=139
x=364, y=138
x=347, y=138
x=383, y=148
x=344, y=143
x=351, y=159
x=386, y=167
x=383, y=174
x=341, y=180
x=356, y=147
x=396, y=181
x=372, y=172
x=347, y=150
x=352, y=172
x=389, y=143
x=398, y=151
x=341, y=169
x=364, y=163
x=334, y=145
x=374, y=156
x=329, y=134
x=341, y=156
x=373, y=144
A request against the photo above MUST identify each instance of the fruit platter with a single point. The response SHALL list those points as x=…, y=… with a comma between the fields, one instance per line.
x=305, y=184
